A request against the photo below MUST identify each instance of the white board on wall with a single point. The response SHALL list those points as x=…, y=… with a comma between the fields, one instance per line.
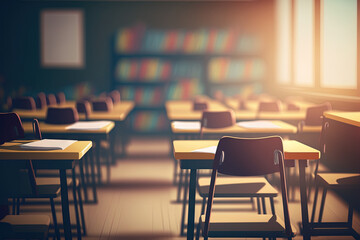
x=62, y=38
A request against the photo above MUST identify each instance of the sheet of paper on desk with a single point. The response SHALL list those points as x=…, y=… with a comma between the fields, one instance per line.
x=88, y=125
x=211, y=149
x=48, y=144
x=187, y=125
x=257, y=124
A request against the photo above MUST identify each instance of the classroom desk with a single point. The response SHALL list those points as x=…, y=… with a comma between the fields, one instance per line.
x=342, y=141
x=253, y=105
x=182, y=111
x=60, y=131
x=52, y=159
x=196, y=160
x=284, y=129
x=119, y=115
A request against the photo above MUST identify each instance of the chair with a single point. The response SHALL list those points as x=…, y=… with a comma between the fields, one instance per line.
x=102, y=105
x=314, y=115
x=269, y=106
x=84, y=107
x=24, y=227
x=227, y=119
x=241, y=157
x=115, y=96
x=60, y=98
x=292, y=107
x=242, y=104
x=21, y=184
x=349, y=182
x=17, y=187
x=217, y=119
x=40, y=101
x=65, y=115
x=26, y=103
x=200, y=105
x=51, y=100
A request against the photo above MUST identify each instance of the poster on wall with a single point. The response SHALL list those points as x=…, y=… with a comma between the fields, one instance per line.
x=62, y=38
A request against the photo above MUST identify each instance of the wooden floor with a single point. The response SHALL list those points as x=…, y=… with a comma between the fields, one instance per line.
x=140, y=201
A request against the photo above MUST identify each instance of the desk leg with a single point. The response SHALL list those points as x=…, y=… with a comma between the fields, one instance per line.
x=82, y=178
x=191, y=211
x=108, y=159
x=93, y=177
x=65, y=204
x=98, y=163
x=304, y=202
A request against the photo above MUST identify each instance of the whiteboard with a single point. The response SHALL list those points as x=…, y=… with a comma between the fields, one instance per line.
x=62, y=38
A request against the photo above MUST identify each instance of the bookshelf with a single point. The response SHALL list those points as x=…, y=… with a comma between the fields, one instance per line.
x=151, y=66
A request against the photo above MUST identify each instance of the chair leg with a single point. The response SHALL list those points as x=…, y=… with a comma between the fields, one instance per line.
x=263, y=205
x=350, y=216
x=198, y=229
x=258, y=205
x=78, y=224
x=272, y=205
x=203, y=206
x=180, y=185
x=17, y=206
x=322, y=204
x=14, y=206
x=314, y=203
x=53, y=212
x=186, y=187
x=81, y=210
x=82, y=179
x=175, y=171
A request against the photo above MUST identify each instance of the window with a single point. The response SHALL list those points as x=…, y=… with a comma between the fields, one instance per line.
x=283, y=21
x=338, y=41
x=304, y=43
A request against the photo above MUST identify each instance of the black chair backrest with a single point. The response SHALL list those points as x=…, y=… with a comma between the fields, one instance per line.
x=115, y=96
x=60, y=98
x=83, y=106
x=27, y=103
x=102, y=105
x=314, y=114
x=10, y=127
x=51, y=100
x=41, y=101
x=57, y=115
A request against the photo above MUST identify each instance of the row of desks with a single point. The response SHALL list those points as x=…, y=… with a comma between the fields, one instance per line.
x=183, y=110
x=72, y=155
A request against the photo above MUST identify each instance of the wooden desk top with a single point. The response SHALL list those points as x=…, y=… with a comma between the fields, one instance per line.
x=283, y=115
x=61, y=128
x=352, y=118
x=292, y=150
x=119, y=113
x=253, y=105
x=75, y=151
x=285, y=128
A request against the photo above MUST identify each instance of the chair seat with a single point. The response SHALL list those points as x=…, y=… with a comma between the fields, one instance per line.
x=238, y=187
x=340, y=179
x=26, y=225
x=46, y=188
x=244, y=225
